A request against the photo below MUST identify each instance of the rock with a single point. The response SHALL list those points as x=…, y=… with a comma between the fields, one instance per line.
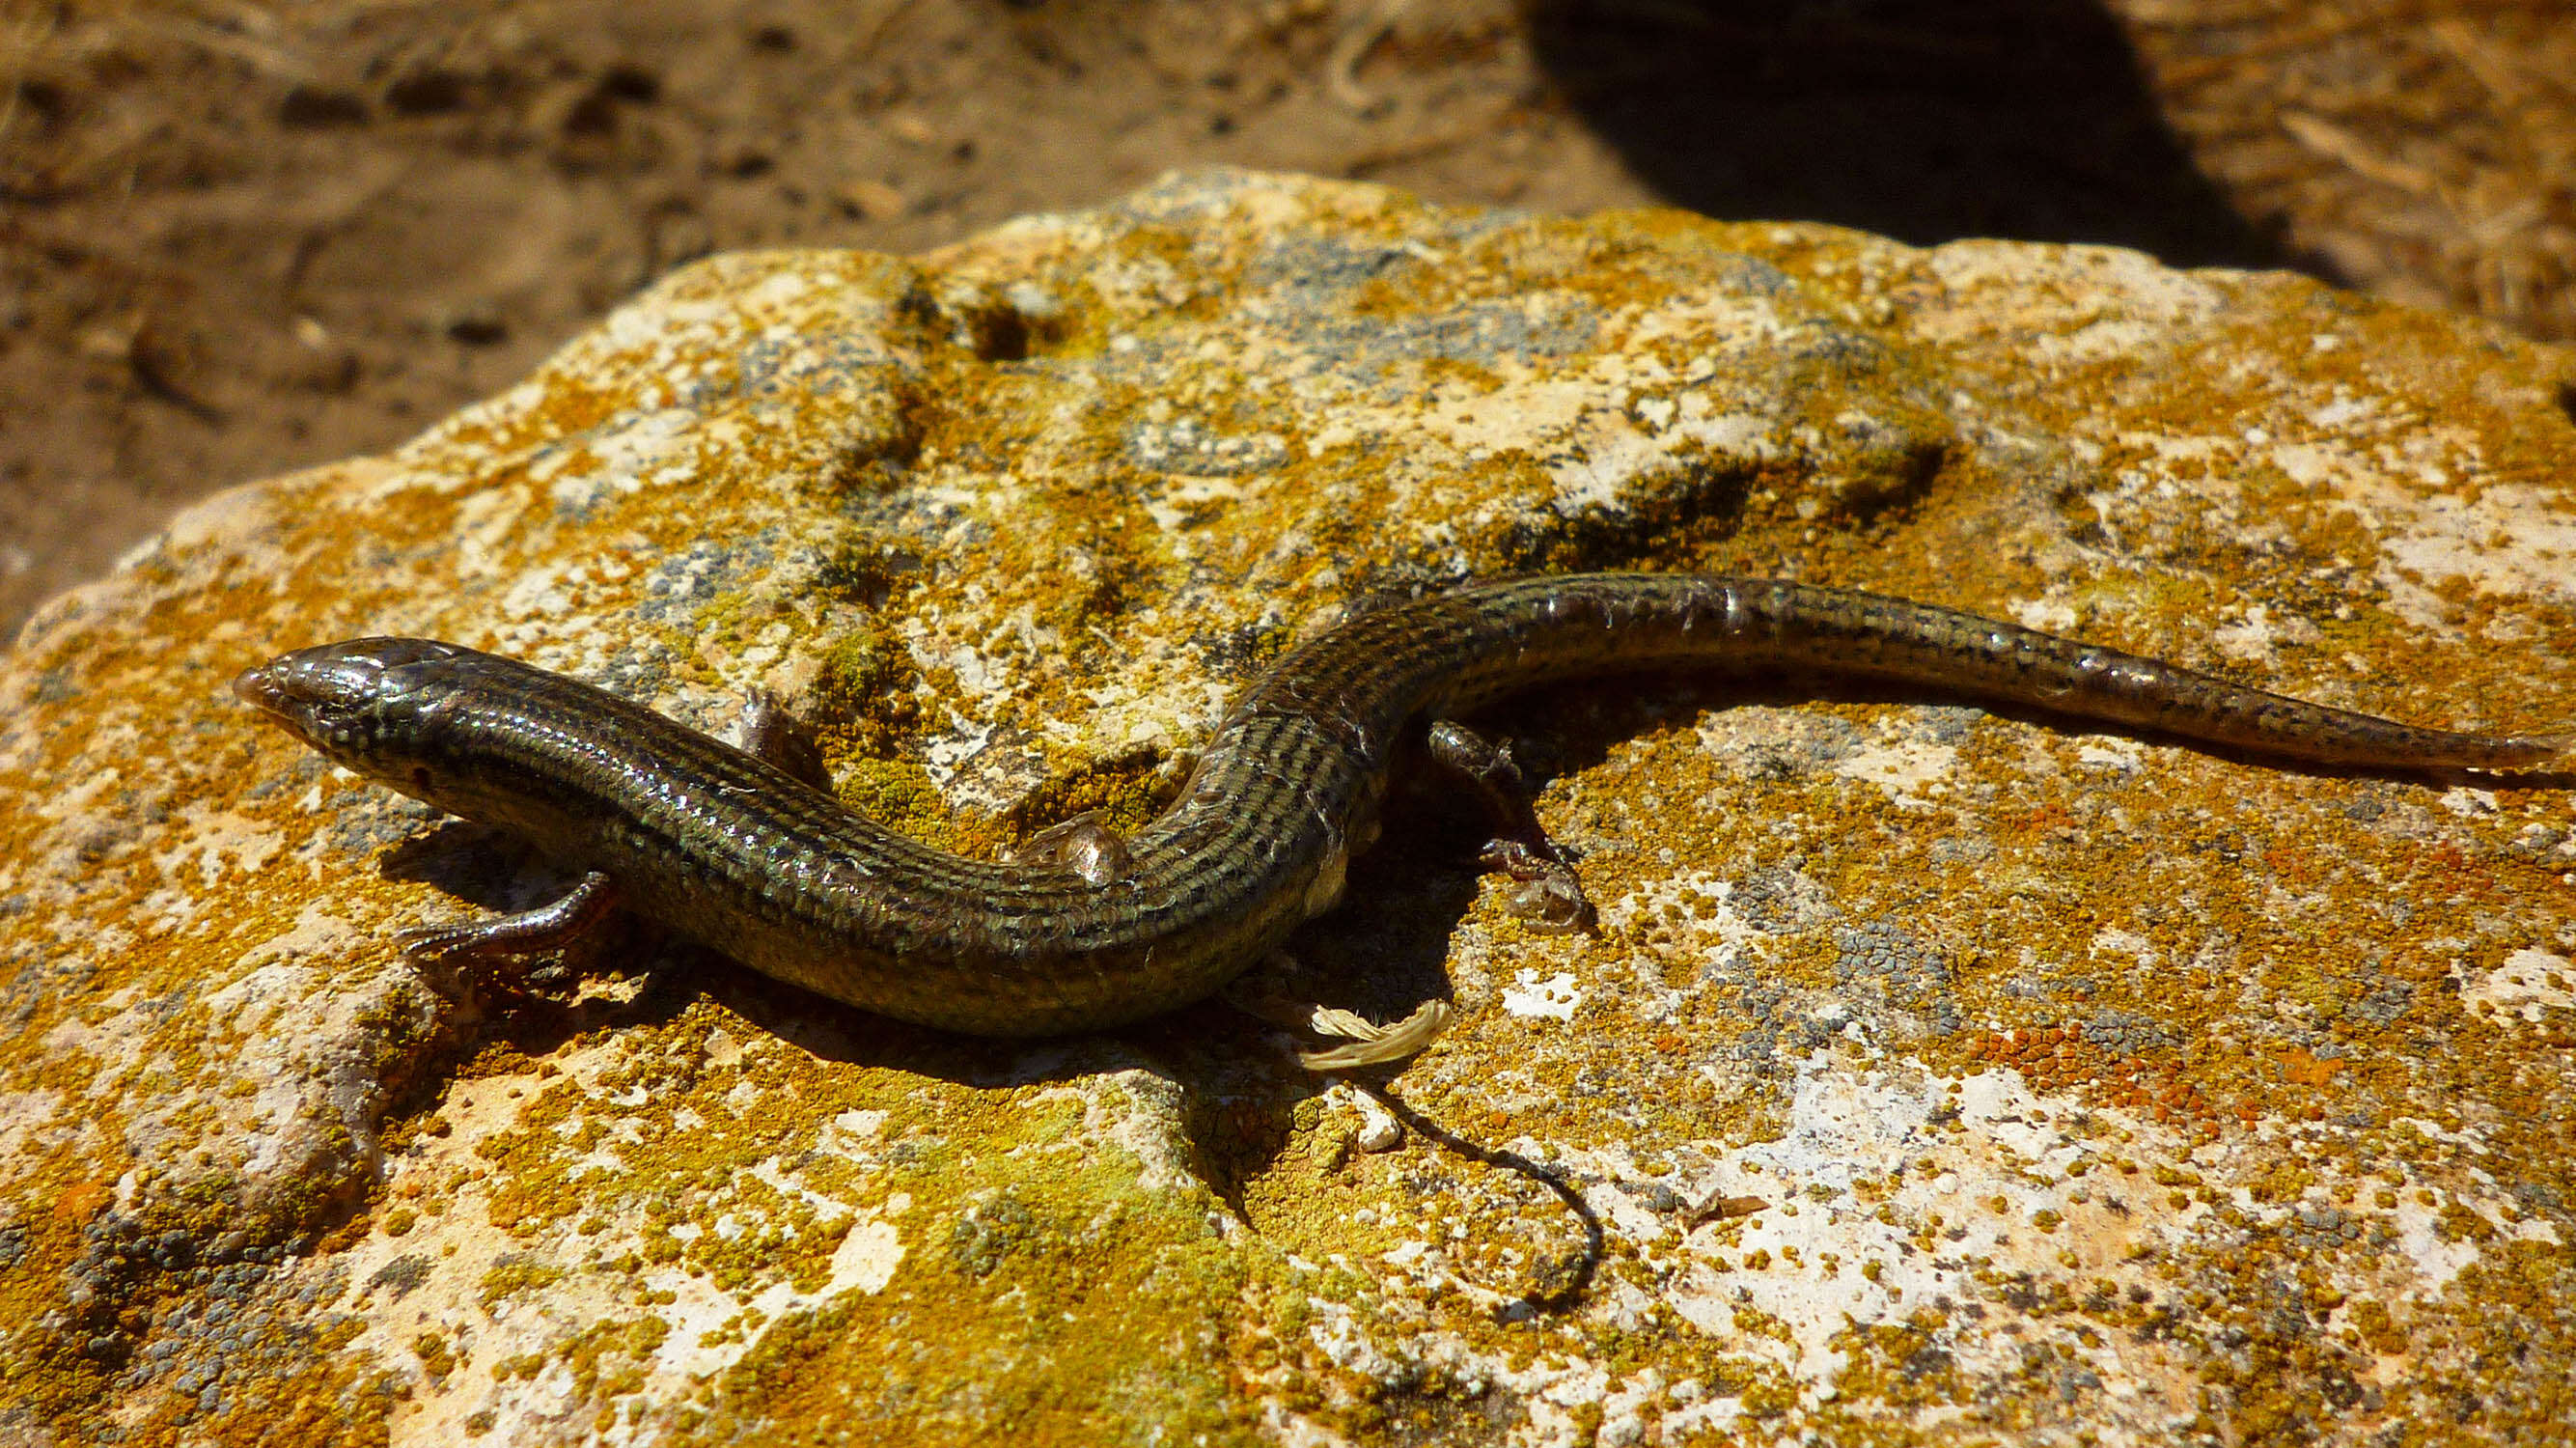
x=2072, y=1082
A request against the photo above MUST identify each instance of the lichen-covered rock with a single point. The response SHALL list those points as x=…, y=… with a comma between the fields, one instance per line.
x=1937, y=1074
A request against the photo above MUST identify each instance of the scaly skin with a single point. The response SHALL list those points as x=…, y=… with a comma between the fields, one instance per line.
x=729, y=850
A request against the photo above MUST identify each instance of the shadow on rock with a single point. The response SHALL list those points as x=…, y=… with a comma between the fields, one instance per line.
x=1925, y=120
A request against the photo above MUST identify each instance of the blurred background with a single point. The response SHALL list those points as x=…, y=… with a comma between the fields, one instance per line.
x=241, y=237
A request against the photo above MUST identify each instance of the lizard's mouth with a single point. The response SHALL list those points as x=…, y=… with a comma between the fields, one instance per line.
x=259, y=687
x=265, y=687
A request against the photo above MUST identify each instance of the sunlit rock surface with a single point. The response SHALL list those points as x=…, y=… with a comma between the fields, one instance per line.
x=1937, y=1074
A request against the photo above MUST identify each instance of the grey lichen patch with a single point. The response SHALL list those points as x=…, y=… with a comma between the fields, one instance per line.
x=1935, y=1070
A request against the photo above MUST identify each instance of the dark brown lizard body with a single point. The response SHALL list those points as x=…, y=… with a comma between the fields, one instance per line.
x=734, y=852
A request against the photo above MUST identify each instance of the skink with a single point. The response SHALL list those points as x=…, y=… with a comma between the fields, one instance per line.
x=743, y=856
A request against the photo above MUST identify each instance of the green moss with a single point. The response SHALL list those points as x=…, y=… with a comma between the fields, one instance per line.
x=1065, y=1307
x=514, y=1273
x=868, y=567
x=864, y=693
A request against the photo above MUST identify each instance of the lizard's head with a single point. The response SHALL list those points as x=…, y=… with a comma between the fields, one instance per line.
x=360, y=703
